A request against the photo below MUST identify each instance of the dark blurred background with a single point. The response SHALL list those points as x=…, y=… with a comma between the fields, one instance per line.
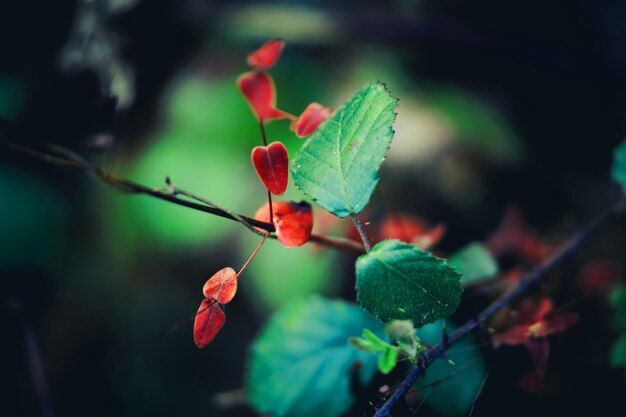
x=501, y=103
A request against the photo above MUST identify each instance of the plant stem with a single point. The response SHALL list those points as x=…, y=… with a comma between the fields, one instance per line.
x=574, y=245
x=265, y=236
x=361, y=230
x=343, y=245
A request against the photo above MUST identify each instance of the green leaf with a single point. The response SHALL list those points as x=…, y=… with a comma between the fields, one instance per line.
x=376, y=341
x=617, y=356
x=619, y=165
x=400, y=281
x=475, y=263
x=388, y=359
x=266, y=287
x=450, y=388
x=617, y=298
x=338, y=165
x=300, y=364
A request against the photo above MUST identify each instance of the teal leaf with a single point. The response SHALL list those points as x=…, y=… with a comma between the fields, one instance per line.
x=451, y=384
x=400, y=281
x=475, y=263
x=338, y=165
x=619, y=165
x=300, y=364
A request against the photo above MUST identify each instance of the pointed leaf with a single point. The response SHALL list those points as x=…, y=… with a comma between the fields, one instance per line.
x=310, y=119
x=272, y=165
x=400, y=281
x=619, y=165
x=209, y=320
x=267, y=55
x=388, y=359
x=222, y=286
x=338, y=165
x=300, y=364
x=293, y=221
x=259, y=91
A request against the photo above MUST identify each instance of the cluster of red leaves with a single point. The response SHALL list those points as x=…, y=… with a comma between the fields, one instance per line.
x=535, y=321
x=219, y=289
x=293, y=221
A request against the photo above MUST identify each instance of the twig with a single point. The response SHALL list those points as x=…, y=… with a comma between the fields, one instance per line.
x=344, y=245
x=532, y=278
x=361, y=230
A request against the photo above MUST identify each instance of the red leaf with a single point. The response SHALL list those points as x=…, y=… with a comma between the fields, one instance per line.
x=209, y=320
x=411, y=229
x=293, y=221
x=402, y=227
x=431, y=237
x=597, y=274
x=258, y=89
x=267, y=55
x=539, y=349
x=532, y=311
x=272, y=165
x=222, y=286
x=514, y=336
x=554, y=323
x=310, y=119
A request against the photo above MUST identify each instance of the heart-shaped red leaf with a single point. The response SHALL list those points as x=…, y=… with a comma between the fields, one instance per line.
x=209, y=320
x=222, y=286
x=267, y=55
x=258, y=89
x=310, y=119
x=293, y=221
x=272, y=165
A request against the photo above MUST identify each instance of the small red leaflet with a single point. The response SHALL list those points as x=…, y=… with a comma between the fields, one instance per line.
x=272, y=165
x=259, y=91
x=267, y=55
x=310, y=119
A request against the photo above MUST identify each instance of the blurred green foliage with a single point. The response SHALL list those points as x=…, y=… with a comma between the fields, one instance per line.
x=32, y=223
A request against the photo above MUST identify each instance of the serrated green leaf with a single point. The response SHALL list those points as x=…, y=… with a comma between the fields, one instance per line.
x=300, y=364
x=388, y=359
x=475, y=263
x=338, y=165
x=399, y=281
x=451, y=384
x=619, y=165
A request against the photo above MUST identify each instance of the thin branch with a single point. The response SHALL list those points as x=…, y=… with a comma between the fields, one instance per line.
x=573, y=246
x=361, y=230
x=343, y=245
